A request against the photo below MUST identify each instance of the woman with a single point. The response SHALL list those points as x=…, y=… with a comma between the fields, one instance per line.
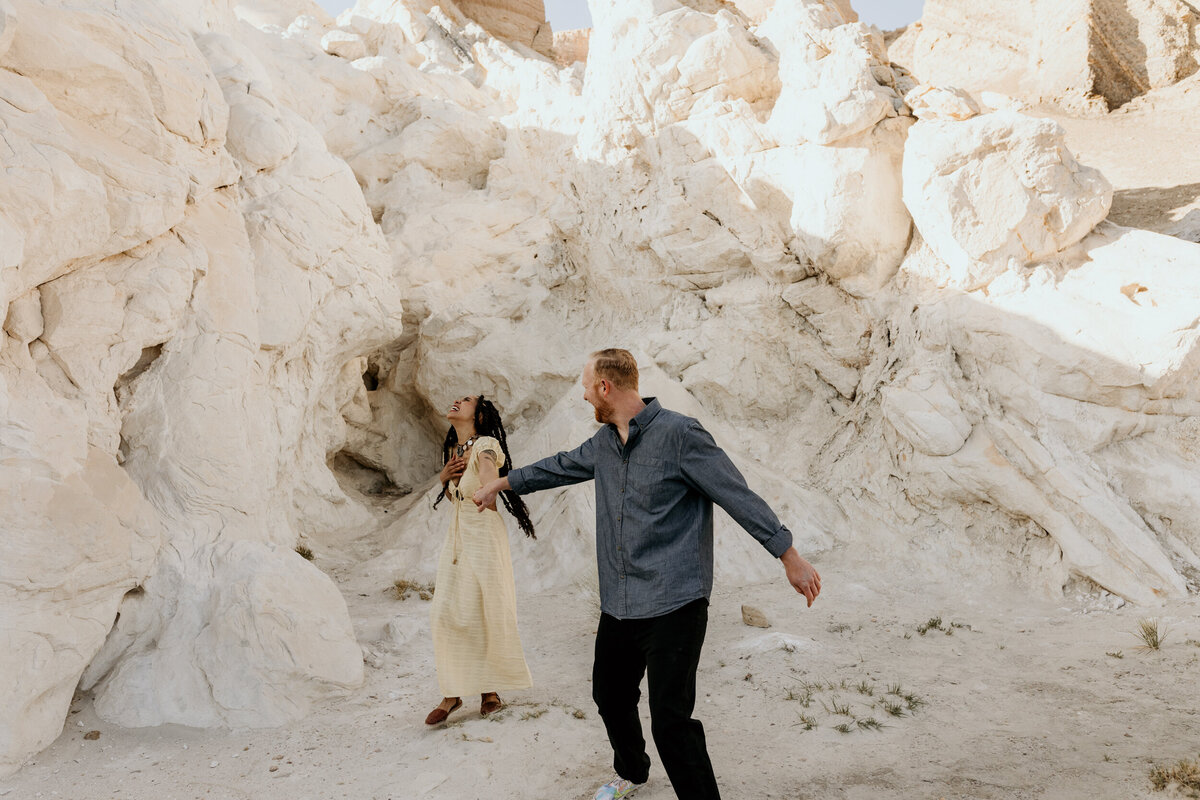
x=474, y=613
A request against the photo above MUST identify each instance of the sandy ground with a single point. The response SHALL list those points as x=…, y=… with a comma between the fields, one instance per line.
x=1019, y=699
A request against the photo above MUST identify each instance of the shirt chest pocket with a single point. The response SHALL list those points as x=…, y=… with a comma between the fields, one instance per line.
x=647, y=476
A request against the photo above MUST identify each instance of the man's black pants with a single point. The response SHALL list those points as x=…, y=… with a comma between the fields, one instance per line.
x=667, y=650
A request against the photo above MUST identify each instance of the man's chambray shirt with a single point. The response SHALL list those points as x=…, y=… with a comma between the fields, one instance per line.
x=654, y=512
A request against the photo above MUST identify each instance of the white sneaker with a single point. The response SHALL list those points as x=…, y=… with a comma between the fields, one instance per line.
x=616, y=789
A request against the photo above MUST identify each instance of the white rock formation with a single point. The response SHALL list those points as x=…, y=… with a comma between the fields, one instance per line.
x=997, y=192
x=186, y=326
x=1077, y=53
x=211, y=217
x=941, y=102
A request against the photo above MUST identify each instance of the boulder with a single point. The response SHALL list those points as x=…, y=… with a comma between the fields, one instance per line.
x=998, y=192
x=936, y=102
x=273, y=638
x=78, y=535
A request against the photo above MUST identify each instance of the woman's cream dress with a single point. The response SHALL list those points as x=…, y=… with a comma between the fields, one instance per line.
x=474, y=610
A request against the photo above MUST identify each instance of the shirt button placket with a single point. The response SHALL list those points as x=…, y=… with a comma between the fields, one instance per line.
x=621, y=535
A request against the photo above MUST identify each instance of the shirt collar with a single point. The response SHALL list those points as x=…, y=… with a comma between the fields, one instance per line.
x=652, y=410
x=645, y=416
x=639, y=422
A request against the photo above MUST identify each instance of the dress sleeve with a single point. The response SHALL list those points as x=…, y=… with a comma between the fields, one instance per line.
x=487, y=444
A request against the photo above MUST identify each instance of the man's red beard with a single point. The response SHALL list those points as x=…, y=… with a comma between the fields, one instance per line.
x=603, y=411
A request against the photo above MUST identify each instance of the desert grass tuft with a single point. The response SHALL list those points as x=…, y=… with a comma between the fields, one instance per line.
x=845, y=727
x=804, y=696
x=865, y=688
x=869, y=724
x=838, y=708
x=1151, y=633
x=808, y=722
x=1115, y=654
x=404, y=587
x=933, y=623
x=1185, y=775
x=305, y=552
x=894, y=709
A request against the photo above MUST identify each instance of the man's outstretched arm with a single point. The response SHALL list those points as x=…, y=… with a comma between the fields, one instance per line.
x=560, y=469
x=708, y=468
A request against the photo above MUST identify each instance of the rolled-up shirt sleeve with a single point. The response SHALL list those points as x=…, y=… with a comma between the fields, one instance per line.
x=708, y=470
x=561, y=469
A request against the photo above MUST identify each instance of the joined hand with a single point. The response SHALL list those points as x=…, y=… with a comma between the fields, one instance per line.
x=485, y=496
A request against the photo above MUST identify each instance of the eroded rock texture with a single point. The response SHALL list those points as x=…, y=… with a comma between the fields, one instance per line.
x=571, y=46
x=1078, y=53
x=522, y=21
x=250, y=254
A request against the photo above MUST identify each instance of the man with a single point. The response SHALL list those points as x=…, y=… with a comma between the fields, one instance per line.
x=657, y=476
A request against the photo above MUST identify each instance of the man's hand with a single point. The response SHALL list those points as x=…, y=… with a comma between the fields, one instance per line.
x=485, y=497
x=453, y=470
x=801, y=575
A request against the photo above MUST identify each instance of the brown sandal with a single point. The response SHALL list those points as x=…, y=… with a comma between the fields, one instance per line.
x=439, y=714
x=491, y=703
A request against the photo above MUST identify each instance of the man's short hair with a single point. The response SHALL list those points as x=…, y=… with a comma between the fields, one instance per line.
x=616, y=366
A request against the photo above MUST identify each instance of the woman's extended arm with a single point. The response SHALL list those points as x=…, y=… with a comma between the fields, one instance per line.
x=485, y=497
x=488, y=472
